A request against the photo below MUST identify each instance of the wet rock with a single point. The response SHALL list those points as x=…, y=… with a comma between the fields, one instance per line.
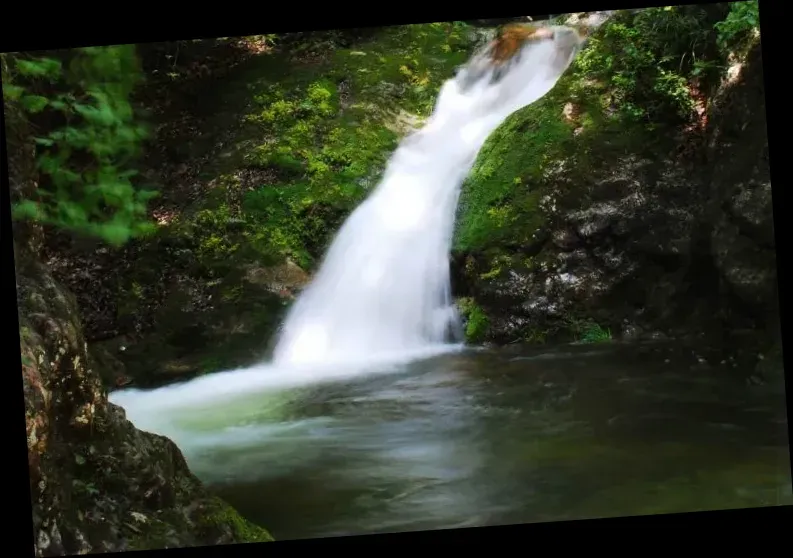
x=667, y=244
x=281, y=279
x=740, y=187
x=632, y=332
x=565, y=239
x=227, y=330
x=97, y=483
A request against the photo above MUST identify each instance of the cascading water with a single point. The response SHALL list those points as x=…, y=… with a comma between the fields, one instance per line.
x=382, y=295
x=384, y=287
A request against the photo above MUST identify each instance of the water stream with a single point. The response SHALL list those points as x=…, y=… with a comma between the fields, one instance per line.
x=373, y=417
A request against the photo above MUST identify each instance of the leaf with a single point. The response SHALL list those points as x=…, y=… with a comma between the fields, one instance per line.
x=145, y=229
x=72, y=213
x=43, y=67
x=34, y=103
x=27, y=210
x=12, y=92
x=146, y=195
x=115, y=233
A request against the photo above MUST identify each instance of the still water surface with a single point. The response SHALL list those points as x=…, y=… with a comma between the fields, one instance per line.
x=497, y=437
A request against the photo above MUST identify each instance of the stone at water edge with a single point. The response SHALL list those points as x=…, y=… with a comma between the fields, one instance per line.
x=97, y=483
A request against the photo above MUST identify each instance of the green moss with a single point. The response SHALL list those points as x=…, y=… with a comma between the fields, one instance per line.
x=585, y=330
x=231, y=293
x=500, y=199
x=308, y=143
x=594, y=333
x=211, y=364
x=25, y=334
x=631, y=83
x=154, y=534
x=329, y=130
x=478, y=322
x=218, y=515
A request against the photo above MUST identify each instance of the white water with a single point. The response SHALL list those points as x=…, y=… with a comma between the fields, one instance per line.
x=382, y=295
x=384, y=285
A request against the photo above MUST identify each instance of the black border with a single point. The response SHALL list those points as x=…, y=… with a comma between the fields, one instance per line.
x=81, y=26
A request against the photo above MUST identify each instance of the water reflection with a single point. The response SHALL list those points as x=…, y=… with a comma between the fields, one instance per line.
x=486, y=437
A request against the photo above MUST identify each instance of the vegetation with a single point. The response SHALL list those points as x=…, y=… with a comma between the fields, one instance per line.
x=330, y=127
x=89, y=137
x=635, y=75
x=643, y=77
x=317, y=117
x=741, y=24
x=187, y=190
x=476, y=320
x=590, y=332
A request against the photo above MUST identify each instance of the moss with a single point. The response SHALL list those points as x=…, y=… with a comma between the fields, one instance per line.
x=25, y=334
x=153, y=534
x=225, y=336
x=218, y=515
x=329, y=129
x=535, y=335
x=628, y=87
x=500, y=201
x=594, y=333
x=214, y=519
x=477, y=322
x=130, y=298
x=587, y=330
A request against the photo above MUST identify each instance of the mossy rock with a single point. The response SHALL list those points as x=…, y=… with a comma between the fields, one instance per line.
x=98, y=484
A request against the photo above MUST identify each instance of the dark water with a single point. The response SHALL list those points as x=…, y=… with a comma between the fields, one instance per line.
x=484, y=438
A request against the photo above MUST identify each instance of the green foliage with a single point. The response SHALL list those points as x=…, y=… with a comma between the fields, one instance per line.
x=645, y=59
x=406, y=65
x=536, y=336
x=329, y=129
x=477, y=322
x=588, y=331
x=212, y=232
x=89, y=138
x=217, y=514
x=641, y=75
x=311, y=141
x=321, y=158
x=742, y=21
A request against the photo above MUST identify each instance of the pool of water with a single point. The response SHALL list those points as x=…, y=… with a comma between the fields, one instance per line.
x=485, y=437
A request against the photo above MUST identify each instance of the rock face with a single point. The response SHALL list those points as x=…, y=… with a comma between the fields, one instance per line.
x=97, y=483
x=739, y=188
x=645, y=244
x=232, y=331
